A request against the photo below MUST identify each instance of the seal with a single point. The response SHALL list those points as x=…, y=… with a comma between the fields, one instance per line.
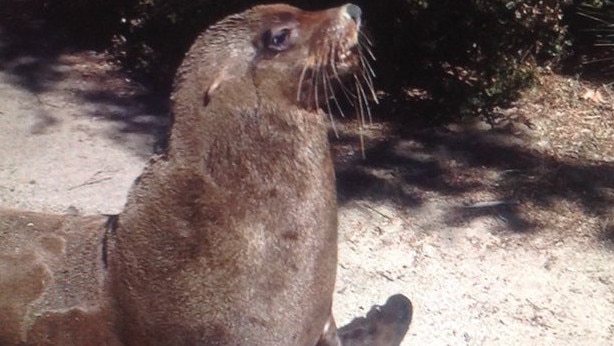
x=233, y=233
x=230, y=237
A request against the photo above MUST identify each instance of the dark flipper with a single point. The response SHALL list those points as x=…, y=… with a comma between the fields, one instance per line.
x=384, y=325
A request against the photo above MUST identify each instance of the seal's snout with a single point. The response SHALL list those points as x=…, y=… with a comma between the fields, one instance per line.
x=353, y=12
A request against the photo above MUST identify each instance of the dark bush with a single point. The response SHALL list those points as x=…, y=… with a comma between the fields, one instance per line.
x=156, y=33
x=468, y=55
x=464, y=56
x=88, y=21
x=592, y=27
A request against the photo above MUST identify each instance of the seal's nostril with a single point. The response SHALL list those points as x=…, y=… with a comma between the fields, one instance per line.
x=354, y=12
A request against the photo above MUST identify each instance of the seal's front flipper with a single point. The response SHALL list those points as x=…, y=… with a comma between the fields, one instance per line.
x=329, y=335
x=384, y=325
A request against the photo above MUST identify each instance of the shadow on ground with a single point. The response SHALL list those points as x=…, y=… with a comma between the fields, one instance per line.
x=417, y=163
x=40, y=58
x=412, y=162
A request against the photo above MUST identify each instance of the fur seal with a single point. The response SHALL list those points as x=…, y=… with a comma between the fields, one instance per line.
x=233, y=233
x=230, y=237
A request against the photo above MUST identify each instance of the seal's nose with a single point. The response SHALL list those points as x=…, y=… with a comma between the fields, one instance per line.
x=354, y=12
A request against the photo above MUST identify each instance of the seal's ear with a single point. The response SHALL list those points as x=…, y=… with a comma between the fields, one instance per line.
x=215, y=83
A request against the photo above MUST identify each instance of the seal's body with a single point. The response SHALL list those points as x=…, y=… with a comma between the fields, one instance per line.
x=53, y=281
x=230, y=238
x=233, y=233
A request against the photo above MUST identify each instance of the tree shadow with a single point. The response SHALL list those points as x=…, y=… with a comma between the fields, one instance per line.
x=28, y=53
x=417, y=161
x=405, y=168
x=38, y=56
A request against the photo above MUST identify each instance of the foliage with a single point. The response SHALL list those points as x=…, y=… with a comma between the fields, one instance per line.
x=473, y=55
x=87, y=20
x=468, y=55
x=594, y=33
x=156, y=33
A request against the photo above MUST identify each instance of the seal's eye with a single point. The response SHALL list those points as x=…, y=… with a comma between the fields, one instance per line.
x=277, y=39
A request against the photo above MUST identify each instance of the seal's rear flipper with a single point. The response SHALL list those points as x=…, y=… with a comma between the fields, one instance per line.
x=384, y=325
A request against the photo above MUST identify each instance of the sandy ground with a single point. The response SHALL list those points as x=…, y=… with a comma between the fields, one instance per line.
x=423, y=216
x=60, y=148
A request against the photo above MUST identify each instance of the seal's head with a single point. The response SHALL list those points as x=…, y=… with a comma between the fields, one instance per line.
x=315, y=49
x=289, y=55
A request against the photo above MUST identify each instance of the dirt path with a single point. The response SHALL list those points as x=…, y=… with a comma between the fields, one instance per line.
x=495, y=239
x=474, y=282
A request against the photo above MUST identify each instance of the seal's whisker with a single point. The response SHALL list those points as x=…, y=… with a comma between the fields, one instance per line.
x=368, y=79
x=359, y=101
x=315, y=74
x=330, y=86
x=366, y=44
x=349, y=95
x=368, y=50
x=318, y=74
x=361, y=90
x=326, y=80
x=332, y=65
x=366, y=64
x=361, y=118
x=328, y=96
x=332, y=52
x=346, y=92
x=300, y=81
x=313, y=68
x=365, y=37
